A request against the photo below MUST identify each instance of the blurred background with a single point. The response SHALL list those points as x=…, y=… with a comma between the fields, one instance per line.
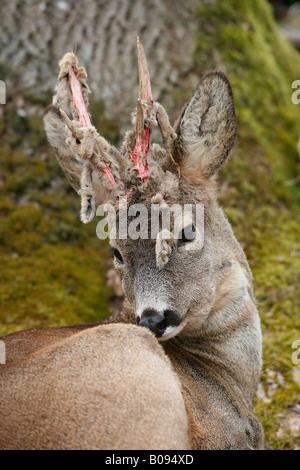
x=53, y=269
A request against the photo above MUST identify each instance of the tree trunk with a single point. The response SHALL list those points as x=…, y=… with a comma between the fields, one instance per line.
x=35, y=35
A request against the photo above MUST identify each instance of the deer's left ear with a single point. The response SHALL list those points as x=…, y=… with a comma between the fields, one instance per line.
x=207, y=127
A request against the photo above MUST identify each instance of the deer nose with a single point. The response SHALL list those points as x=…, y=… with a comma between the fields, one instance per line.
x=158, y=322
x=153, y=320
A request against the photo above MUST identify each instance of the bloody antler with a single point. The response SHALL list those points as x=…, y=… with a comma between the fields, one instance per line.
x=145, y=102
x=84, y=115
x=84, y=148
x=148, y=114
x=78, y=98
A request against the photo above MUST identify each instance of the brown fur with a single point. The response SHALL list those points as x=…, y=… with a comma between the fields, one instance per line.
x=112, y=386
x=73, y=394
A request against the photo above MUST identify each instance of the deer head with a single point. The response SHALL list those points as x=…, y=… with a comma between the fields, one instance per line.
x=175, y=281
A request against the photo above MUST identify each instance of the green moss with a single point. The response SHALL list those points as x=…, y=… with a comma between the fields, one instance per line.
x=54, y=285
x=241, y=38
x=2, y=126
x=53, y=268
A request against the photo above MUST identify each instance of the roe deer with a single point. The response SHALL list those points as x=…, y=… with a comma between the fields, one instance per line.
x=187, y=378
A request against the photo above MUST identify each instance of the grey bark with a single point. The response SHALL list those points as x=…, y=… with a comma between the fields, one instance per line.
x=35, y=35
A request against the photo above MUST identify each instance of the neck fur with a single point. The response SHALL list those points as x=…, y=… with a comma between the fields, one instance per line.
x=230, y=337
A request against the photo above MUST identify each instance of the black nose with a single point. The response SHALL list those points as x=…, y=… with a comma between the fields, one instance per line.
x=157, y=322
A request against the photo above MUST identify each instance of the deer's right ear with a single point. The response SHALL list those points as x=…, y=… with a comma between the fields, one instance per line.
x=207, y=127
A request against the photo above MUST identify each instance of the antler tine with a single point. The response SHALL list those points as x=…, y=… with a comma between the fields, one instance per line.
x=145, y=102
x=71, y=76
x=78, y=99
x=84, y=155
x=145, y=92
x=80, y=105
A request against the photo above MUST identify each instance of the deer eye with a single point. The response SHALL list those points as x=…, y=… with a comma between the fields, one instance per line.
x=187, y=235
x=118, y=256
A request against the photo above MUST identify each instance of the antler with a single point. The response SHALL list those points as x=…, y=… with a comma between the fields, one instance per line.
x=80, y=105
x=148, y=114
x=83, y=153
x=142, y=131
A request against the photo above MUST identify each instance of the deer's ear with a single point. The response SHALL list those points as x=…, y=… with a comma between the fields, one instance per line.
x=207, y=127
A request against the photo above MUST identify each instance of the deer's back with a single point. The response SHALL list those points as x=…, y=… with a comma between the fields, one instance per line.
x=108, y=387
